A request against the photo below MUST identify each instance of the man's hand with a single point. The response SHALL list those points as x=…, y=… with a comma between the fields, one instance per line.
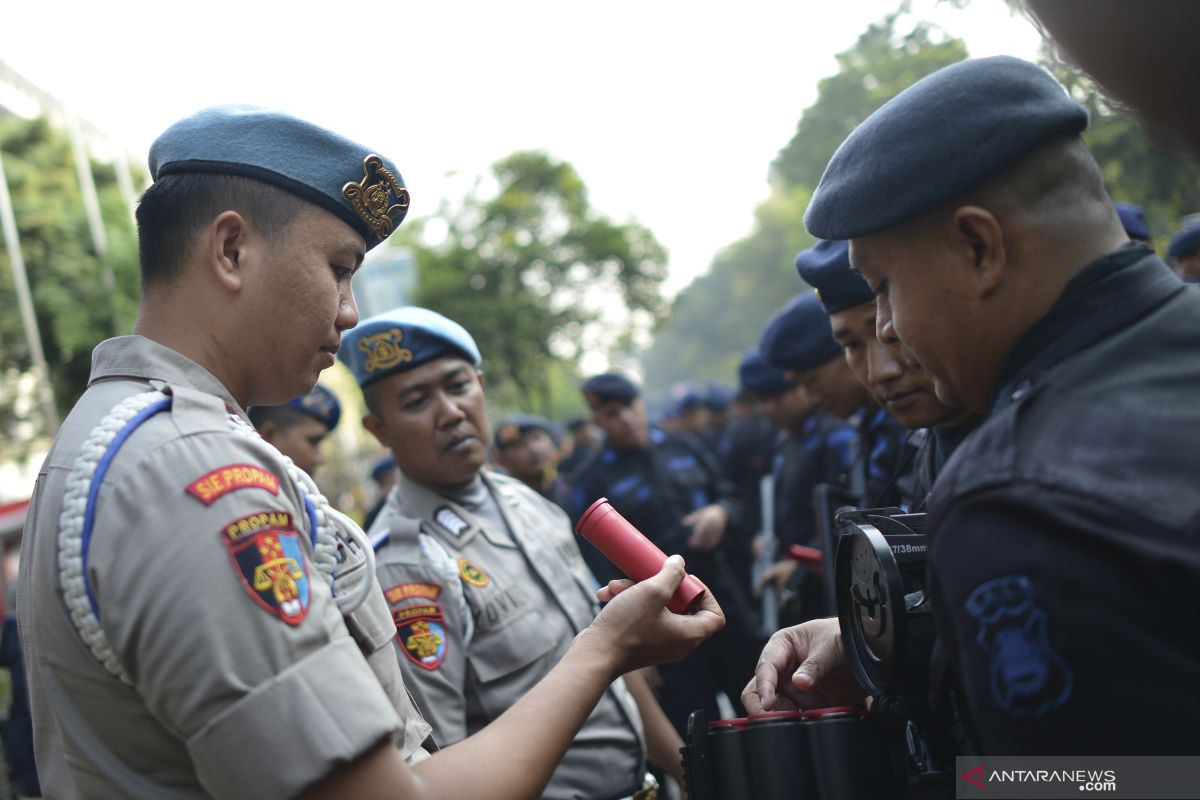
x=708, y=527
x=778, y=573
x=635, y=629
x=803, y=667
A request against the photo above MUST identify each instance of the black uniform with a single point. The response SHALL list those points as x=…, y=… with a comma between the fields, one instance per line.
x=747, y=453
x=1066, y=531
x=654, y=487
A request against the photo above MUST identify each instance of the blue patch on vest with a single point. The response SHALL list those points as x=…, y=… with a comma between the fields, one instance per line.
x=624, y=485
x=680, y=463
x=1028, y=676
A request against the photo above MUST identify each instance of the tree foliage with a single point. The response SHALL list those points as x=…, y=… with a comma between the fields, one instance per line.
x=74, y=308
x=721, y=313
x=533, y=271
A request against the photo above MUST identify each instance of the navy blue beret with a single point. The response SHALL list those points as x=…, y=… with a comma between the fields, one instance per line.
x=385, y=464
x=717, y=397
x=689, y=400
x=600, y=389
x=798, y=337
x=403, y=339
x=756, y=375
x=1185, y=242
x=321, y=405
x=826, y=268
x=945, y=134
x=352, y=181
x=1133, y=220
x=510, y=429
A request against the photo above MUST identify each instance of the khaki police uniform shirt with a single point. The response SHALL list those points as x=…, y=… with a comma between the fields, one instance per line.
x=481, y=615
x=238, y=691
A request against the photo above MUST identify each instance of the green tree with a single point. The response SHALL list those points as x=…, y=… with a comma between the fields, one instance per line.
x=533, y=269
x=722, y=313
x=74, y=309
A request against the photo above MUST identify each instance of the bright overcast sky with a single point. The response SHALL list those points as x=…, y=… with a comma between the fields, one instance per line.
x=670, y=111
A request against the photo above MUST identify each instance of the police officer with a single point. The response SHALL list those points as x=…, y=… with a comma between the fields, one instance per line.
x=297, y=427
x=1184, y=253
x=897, y=385
x=1133, y=220
x=670, y=488
x=188, y=628
x=804, y=459
x=481, y=573
x=797, y=339
x=524, y=447
x=1063, y=560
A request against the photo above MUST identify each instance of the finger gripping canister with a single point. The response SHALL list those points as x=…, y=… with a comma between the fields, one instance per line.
x=634, y=554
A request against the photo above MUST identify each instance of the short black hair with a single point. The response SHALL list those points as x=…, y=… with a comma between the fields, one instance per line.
x=176, y=208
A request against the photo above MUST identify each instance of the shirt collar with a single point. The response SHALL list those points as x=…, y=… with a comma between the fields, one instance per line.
x=145, y=359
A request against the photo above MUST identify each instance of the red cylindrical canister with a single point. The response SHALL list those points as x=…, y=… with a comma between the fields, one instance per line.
x=632, y=552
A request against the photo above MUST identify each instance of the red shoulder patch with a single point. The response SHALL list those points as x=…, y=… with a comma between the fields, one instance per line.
x=212, y=486
x=267, y=554
x=403, y=591
x=421, y=632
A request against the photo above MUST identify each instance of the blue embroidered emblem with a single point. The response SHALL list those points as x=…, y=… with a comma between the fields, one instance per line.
x=1028, y=677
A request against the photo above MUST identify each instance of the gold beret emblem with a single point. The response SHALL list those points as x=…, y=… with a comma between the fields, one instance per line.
x=371, y=198
x=384, y=351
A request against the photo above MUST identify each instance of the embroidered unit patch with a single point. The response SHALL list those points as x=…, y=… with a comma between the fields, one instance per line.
x=212, y=486
x=421, y=632
x=265, y=548
x=404, y=591
x=1028, y=676
x=472, y=574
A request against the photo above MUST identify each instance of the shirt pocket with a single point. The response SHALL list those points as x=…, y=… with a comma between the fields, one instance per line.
x=517, y=644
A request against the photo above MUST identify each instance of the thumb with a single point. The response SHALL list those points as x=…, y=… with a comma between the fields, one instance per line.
x=669, y=577
x=814, y=668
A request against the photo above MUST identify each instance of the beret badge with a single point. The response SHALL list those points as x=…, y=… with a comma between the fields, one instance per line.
x=384, y=351
x=371, y=198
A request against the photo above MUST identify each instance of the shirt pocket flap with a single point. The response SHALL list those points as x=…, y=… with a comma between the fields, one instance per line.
x=505, y=650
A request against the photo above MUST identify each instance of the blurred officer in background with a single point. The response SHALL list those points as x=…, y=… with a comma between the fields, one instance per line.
x=672, y=490
x=524, y=447
x=1133, y=220
x=1063, y=530
x=196, y=619
x=297, y=427
x=1184, y=254
x=797, y=339
x=383, y=475
x=480, y=572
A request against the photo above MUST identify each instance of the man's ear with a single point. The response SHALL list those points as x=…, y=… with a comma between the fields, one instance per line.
x=981, y=238
x=224, y=245
x=269, y=431
x=479, y=375
x=375, y=425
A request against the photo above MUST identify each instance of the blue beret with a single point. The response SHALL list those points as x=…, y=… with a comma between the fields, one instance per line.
x=798, y=336
x=826, y=268
x=717, y=397
x=383, y=466
x=1133, y=220
x=756, y=375
x=403, y=339
x=689, y=400
x=510, y=429
x=945, y=134
x=601, y=389
x=321, y=405
x=1185, y=243
x=361, y=187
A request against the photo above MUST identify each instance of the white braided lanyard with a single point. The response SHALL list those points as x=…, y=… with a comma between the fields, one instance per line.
x=79, y=510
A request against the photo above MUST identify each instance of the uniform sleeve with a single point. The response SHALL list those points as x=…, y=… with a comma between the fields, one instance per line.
x=1067, y=627
x=206, y=589
x=722, y=490
x=430, y=643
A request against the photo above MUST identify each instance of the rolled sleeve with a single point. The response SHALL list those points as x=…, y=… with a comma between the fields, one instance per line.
x=293, y=730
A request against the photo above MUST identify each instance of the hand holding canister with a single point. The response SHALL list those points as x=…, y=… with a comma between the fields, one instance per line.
x=632, y=552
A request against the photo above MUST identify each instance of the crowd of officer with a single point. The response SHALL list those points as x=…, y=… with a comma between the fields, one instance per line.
x=969, y=338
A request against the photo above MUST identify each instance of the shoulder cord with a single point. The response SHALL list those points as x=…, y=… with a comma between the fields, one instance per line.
x=79, y=509
x=441, y=560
